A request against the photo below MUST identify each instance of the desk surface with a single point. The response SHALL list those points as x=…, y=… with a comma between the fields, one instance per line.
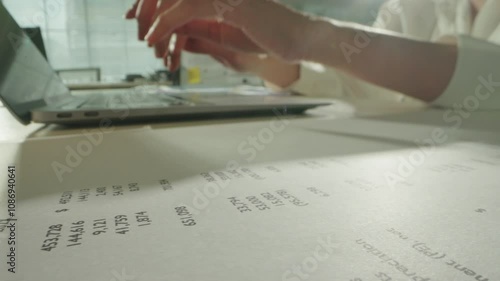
x=385, y=195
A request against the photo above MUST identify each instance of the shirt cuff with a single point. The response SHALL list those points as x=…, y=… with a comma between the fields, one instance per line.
x=475, y=84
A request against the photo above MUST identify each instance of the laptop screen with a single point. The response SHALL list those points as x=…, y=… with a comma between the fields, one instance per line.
x=27, y=81
x=35, y=34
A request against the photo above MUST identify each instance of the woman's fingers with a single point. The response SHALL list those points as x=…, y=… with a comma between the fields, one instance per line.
x=268, y=68
x=180, y=13
x=228, y=37
x=175, y=58
x=146, y=11
x=161, y=49
x=237, y=61
x=132, y=11
x=250, y=27
x=220, y=33
x=199, y=46
x=163, y=5
x=144, y=15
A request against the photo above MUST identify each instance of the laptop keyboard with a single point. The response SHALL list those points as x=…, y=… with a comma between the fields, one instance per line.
x=132, y=100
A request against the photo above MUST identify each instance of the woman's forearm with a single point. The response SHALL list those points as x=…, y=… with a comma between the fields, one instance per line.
x=419, y=69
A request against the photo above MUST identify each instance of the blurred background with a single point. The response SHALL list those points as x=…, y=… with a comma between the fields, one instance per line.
x=92, y=35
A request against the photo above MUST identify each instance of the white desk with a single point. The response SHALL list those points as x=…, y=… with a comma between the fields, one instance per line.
x=321, y=205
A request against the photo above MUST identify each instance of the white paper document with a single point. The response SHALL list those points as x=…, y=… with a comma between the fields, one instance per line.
x=270, y=201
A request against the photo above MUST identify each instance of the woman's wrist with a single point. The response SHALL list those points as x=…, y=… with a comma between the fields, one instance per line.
x=240, y=12
x=257, y=18
x=324, y=42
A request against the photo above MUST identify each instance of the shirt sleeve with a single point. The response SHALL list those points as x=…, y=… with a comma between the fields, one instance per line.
x=475, y=84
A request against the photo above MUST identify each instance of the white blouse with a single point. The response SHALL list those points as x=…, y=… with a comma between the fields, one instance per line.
x=476, y=81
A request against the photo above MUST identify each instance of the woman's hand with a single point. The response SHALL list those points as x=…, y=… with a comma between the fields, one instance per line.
x=144, y=11
x=225, y=42
x=271, y=27
x=275, y=71
x=382, y=58
x=223, y=35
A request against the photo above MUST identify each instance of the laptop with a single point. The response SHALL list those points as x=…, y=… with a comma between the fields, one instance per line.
x=35, y=34
x=33, y=92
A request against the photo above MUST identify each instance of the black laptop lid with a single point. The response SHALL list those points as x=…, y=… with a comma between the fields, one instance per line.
x=26, y=79
x=35, y=34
